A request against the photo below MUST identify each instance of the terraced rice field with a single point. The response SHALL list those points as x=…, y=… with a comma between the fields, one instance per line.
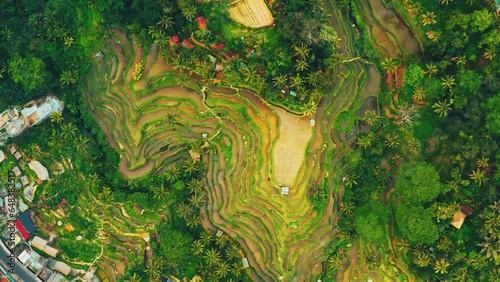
x=259, y=148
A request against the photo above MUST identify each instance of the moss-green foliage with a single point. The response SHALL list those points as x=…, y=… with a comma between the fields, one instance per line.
x=416, y=224
x=370, y=221
x=418, y=183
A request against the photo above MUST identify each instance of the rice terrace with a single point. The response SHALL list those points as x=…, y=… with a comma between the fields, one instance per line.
x=250, y=140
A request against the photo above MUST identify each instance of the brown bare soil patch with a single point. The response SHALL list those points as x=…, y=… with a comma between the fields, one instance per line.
x=290, y=149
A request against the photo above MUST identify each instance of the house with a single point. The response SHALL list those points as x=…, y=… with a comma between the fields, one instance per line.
x=24, y=180
x=139, y=209
x=16, y=171
x=186, y=44
x=219, y=67
x=202, y=23
x=25, y=225
x=175, y=38
x=17, y=155
x=24, y=256
x=232, y=55
x=459, y=217
x=99, y=55
x=219, y=233
x=40, y=170
x=219, y=46
x=2, y=156
x=285, y=190
x=245, y=263
x=62, y=268
x=42, y=245
x=12, y=149
x=293, y=93
x=45, y=274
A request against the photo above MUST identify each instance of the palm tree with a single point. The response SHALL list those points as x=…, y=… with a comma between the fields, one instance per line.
x=81, y=143
x=179, y=64
x=68, y=77
x=483, y=162
x=165, y=21
x=431, y=69
x=479, y=262
x=301, y=51
x=221, y=240
x=419, y=94
x=313, y=78
x=134, y=278
x=460, y=60
x=434, y=36
x=429, y=18
x=349, y=179
x=489, y=54
x=280, y=81
x=232, y=252
x=392, y=139
x=195, y=186
x=491, y=247
x=212, y=257
x=222, y=269
x=68, y=130
x=56, y=117
x=301, y=65
x=336, y=262
x=106, y=193
x=172, y=174
x=197, y=247
x=442, y=107
x=389, y=65
x=403, y=245
x=444, y=1
x=366, y=140
x=414, y=145
x=196, y=200
x=159, y=192
x=184, y=210
x=347, y=208
x=190, y=166
x=441, y=266
x=189, y=12
x=236, y=269
x=371, y=117
x=309, y=109
x=206, y=237
x=460, y=274
x=494, y=275
x=153, y=269
x=478, y=176
x=422, y=260
x=297, y=82
x=444, y=244
x=193, y=221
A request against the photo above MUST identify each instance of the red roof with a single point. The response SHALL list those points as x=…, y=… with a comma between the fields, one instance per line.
x=231, y=55
x=187, y=44
x=219, y=46
x=201, y=22
x=175, y=38
x=22, y=230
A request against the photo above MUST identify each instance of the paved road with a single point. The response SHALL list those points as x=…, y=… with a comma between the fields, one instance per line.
x=22, y=272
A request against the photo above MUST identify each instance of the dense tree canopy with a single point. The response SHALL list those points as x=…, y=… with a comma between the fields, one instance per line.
x=371, y=220
x=416, y=224
x=493, y=113
x=418, y=183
